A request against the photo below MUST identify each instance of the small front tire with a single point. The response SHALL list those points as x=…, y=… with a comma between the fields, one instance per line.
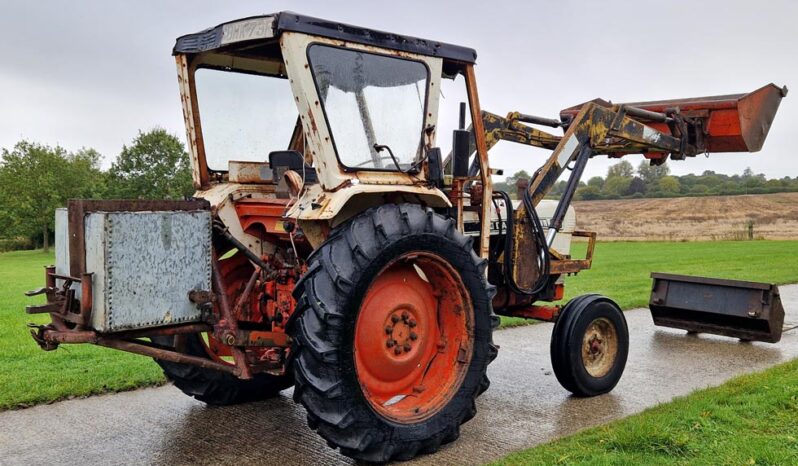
x=589, y=345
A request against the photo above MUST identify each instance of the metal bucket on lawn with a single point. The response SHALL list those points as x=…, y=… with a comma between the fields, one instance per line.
x=734, y=308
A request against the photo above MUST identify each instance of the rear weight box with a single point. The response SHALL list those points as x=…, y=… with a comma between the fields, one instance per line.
x=144, y=256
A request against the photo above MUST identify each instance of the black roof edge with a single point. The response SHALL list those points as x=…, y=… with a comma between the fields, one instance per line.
x=211, y=38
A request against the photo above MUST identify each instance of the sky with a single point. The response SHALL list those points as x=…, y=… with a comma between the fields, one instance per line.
x=93, y=73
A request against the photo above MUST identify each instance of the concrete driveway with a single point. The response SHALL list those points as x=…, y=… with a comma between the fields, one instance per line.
x=524, y=406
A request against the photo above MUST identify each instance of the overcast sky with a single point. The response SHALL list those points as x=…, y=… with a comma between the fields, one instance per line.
x=92, y=73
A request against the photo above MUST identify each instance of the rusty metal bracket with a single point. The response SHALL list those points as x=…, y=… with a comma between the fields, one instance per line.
x=561, y=266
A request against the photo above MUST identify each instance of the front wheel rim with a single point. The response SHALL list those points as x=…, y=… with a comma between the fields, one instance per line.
x=413, y=337
x=599, y=347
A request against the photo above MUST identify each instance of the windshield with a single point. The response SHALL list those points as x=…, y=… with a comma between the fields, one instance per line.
x=244, y=116
x=371, y=100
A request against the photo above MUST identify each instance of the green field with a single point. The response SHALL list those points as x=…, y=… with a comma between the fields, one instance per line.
x=29, y=375
x=621, y=271
x=749, y=420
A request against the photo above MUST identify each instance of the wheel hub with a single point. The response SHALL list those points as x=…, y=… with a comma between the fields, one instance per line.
x=599, y=347
x=401, y=331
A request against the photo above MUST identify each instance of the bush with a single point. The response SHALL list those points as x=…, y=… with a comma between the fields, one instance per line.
x=15, y=244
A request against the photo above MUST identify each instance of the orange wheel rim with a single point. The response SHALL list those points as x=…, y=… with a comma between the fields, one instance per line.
x=413, y=337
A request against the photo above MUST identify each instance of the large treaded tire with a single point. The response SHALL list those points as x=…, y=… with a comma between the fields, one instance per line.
x=567, y=345
x=215, y=387
x=328, y=302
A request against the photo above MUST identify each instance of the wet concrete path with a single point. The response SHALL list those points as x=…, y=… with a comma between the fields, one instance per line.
x=524, y=406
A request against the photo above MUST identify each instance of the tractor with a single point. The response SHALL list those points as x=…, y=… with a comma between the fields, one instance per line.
x=345, y=238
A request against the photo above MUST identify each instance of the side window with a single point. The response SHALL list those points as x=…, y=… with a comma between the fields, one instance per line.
x=244, y=116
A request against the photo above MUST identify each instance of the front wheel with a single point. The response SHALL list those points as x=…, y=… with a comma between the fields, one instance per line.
x=589, y=345
x=393, y=337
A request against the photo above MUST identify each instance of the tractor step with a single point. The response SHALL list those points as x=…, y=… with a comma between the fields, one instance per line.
x=733, y=308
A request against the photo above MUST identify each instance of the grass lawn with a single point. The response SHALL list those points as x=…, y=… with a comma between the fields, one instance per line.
x=29, y=375
x=621, y=271
x=748, y=420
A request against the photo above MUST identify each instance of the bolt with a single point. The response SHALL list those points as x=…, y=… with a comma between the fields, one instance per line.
x=390, y=343
x=413, y=336
x=230, y=339
x=408, y=347
x=412, y=323
x=405, y=316
x=388, y=329
x=394, y=318
x=397, y=350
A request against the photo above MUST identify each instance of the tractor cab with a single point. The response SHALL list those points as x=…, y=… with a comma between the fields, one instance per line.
x=351, y=113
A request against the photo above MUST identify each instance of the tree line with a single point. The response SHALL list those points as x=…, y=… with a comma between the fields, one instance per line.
x=35, y=179
x=623, y=181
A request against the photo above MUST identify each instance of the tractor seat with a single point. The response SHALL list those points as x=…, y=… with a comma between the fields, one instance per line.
x=283, y=160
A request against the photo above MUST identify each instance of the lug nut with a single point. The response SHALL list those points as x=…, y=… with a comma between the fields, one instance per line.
x=397, y=350
x=413, y=336
x=390, y=343
x=405, y=316
x=408, y=347
x=394, y=318
x=388, y=329
x=412, y=323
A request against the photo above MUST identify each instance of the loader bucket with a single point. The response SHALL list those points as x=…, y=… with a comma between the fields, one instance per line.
x=739, y=309
x=732, y=123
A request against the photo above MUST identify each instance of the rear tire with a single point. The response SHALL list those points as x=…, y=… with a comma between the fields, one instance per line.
x=343, y=302
x=589, y=345
x=215, y=387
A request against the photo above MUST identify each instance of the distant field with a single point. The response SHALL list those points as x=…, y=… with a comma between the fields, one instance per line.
x=621, y=271
x=774, y=216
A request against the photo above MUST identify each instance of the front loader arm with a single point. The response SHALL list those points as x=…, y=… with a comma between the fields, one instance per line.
x=676, y=129
x=595, y=130
x=591, y=131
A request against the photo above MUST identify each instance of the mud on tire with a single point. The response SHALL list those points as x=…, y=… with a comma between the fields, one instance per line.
x=329, y=298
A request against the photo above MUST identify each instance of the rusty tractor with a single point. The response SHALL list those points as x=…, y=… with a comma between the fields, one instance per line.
x=332, y=245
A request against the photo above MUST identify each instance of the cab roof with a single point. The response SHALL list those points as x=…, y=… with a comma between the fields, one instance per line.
x=268, y=27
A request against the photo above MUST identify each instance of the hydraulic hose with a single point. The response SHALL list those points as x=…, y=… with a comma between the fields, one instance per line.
x=541, y=249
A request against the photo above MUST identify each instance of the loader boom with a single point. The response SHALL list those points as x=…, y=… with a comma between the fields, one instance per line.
x=677, y=128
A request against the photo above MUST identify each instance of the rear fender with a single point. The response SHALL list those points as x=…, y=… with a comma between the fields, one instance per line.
x=331, y=208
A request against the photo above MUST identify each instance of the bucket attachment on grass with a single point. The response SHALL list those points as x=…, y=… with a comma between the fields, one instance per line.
x=739, y=309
